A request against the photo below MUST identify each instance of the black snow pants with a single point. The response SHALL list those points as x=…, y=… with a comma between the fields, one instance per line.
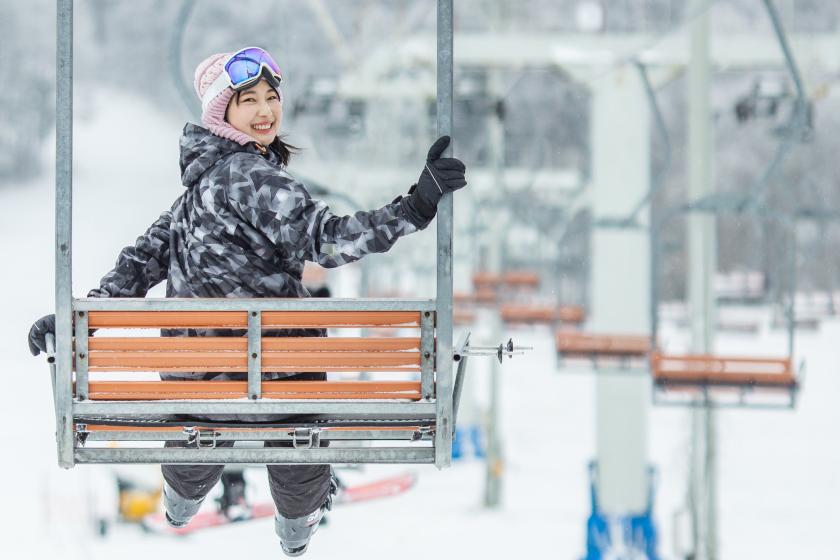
x=297, y=490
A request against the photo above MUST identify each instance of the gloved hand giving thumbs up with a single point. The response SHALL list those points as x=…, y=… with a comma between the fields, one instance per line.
x=441, y=175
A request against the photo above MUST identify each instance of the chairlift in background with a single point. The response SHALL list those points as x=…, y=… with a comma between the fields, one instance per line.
x=318, y=95
x=515, y=295
x=772, y=99
x=763, y=101
x=702, y=377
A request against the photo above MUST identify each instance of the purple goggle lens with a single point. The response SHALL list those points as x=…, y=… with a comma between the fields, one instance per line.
x=246, y=67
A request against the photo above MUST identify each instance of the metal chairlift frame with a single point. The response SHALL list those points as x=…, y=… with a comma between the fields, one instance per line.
x=437, y=332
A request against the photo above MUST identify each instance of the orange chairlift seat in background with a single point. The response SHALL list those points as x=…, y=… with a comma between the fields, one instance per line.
x=724, y=381
x=487, y=283
x=599, y=347
x=462, y=316
x=534, y=314
x=483, y=296
x=491, y=289
x=506, y=291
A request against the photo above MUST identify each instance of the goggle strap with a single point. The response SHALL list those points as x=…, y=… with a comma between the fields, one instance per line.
x=217, y=87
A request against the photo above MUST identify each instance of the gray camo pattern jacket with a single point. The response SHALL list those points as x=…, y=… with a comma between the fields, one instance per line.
x=243, y=228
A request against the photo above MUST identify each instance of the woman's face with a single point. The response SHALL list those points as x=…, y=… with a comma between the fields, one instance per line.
x=257, y=112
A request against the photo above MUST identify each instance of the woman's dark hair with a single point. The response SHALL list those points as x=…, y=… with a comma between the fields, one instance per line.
x=283, y=149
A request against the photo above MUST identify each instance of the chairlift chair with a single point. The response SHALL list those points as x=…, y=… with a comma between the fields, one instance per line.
x=365, y=416
x=602, y=350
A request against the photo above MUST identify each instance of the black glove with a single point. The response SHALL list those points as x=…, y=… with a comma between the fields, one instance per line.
x=38, y=334
x=441, y=175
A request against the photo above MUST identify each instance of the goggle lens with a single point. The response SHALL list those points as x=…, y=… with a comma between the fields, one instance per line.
x=247, y=64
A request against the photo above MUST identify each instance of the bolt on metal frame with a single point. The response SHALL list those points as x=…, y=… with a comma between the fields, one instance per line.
x=436, y=327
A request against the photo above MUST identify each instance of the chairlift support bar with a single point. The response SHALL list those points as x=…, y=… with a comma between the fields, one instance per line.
x=64, y=231
x=662, y=128
x=176, y=48
x=796, y=123
x=445, y=93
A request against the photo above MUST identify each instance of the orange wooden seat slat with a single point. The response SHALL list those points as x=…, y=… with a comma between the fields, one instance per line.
x=269, y=344
x=166, y=390
x=239, y=319
x=576, y=343
x=715, y=370
x=238, y=361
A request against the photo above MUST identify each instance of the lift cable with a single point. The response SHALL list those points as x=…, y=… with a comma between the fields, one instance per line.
x=176, y=45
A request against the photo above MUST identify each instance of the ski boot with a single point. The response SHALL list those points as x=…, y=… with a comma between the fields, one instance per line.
x=232, y=503
x=295, y=533
x=179, y=510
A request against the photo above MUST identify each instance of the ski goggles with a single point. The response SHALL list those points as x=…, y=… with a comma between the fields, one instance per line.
x=242, y=70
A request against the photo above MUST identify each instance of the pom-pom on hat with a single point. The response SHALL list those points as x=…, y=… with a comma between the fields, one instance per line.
x=213, y=113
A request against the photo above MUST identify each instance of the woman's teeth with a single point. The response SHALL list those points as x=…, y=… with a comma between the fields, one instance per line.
x=262, y=126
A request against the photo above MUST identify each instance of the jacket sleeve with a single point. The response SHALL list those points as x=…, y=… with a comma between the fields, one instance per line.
x=283, y=211
x=141, y=266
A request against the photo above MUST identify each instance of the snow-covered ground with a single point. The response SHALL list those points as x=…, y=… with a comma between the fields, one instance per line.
x=779, y=484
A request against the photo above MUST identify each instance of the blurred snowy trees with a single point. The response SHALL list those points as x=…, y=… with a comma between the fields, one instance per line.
x=27, y=67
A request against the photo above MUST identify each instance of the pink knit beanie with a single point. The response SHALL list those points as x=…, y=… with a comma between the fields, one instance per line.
x=213, y=116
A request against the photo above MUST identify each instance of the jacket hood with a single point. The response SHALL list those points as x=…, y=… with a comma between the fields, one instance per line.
x=201, y=149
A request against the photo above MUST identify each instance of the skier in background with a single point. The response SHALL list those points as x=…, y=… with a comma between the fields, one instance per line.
x=243, y=227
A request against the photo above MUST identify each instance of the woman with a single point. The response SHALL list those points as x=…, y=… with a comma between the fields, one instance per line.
x=243, y=227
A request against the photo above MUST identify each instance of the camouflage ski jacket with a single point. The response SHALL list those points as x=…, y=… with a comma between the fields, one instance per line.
x=243, y=227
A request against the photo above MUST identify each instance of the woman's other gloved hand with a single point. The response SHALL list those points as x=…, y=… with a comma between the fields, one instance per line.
x=38, y=334
x=441, y=175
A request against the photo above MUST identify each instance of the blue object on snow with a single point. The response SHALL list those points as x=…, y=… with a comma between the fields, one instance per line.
x=477, y=442
x=468, y=443
x=620, y=537
x=457, y=444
